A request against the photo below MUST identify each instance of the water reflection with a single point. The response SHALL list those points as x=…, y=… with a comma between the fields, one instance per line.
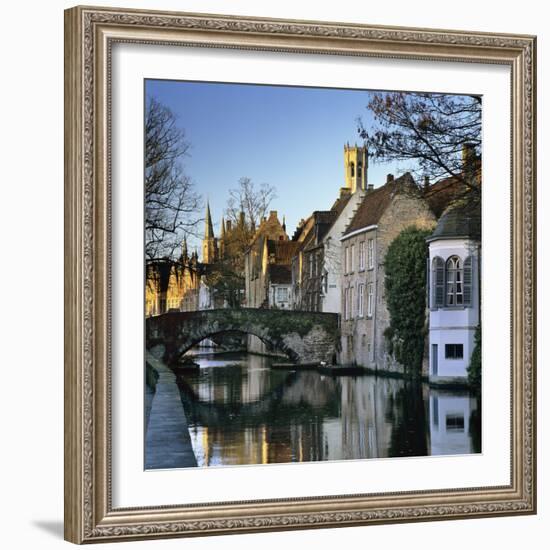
x=241, y=411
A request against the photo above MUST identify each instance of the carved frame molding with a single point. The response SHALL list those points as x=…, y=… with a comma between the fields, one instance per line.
x=89, y=36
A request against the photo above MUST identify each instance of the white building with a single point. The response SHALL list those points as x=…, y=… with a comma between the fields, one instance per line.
x=455, y=254
x=450, y=427
x=332, y=255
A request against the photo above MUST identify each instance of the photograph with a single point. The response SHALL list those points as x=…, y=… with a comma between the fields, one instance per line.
x=312, y=274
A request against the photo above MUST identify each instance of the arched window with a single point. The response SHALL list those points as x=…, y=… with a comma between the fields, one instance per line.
x=438, y=282
x=352, y=169
x=454, y=279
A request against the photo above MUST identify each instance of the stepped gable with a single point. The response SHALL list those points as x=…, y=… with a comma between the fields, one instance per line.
x=340, y=204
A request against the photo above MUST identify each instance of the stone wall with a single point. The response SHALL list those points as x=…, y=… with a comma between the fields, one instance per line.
x=304, y=336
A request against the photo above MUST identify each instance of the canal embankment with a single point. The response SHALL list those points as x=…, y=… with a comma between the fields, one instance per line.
x=167, y=440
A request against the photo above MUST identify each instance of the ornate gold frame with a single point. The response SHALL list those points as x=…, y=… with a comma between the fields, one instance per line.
x=89, y=35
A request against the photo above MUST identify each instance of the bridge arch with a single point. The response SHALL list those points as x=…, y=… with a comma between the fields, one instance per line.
x=304, y=336
x=276, y=343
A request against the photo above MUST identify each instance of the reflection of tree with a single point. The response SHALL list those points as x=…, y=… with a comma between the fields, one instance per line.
x=475, y=426
x=407, y=416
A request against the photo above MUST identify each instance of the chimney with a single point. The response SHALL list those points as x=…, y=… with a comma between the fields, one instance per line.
x=370, y=187
x=426, y=182
x=344, y=192
x=389, y=178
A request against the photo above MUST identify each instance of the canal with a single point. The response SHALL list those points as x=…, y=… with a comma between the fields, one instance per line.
x=241, y=411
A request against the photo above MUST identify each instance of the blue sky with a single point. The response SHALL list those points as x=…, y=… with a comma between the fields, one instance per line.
x=289, y=137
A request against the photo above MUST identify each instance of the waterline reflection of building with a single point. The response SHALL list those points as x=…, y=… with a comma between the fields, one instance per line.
x=454, y=423
x=246, y=413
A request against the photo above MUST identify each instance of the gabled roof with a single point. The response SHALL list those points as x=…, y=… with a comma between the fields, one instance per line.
x=340, y=204
x=376, y=201
x=441, y=194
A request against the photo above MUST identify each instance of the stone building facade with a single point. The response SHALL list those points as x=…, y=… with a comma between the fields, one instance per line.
x=331, y=292
x=381, y=216
x=267, y=273
x=172, y=285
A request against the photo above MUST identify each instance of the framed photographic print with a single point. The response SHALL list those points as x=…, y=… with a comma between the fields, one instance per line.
x=300, y=274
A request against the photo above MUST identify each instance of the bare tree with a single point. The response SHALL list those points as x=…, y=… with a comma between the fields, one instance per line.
x=249, y=200
x=171, y=204
x=246, y=206
x=430, y=130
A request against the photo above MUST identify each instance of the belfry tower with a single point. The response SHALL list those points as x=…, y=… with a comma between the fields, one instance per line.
x=355, y=166
x=209, y=244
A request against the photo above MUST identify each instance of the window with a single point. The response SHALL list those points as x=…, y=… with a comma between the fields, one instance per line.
x=361, y=300
x=359, y=170
x=371, y=253
x=454, y=282
x=348, y=303
x=454, y=422
x=369, y=299
x=454, y=351
x=351, y=169
x=436, y=410
x=351, y=258
x=346, y=260
x=311, y=265
x=361, y=255
x=282, y=294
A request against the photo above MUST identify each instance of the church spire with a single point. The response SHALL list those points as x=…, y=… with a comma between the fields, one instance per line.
x=208, y=227
x=209, y=243
x=184, y=248
x=222, y=228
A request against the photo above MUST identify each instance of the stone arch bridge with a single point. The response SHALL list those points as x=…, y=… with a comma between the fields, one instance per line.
x=304, y=336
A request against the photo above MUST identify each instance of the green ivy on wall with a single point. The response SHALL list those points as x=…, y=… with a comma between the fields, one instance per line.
x=405, y=285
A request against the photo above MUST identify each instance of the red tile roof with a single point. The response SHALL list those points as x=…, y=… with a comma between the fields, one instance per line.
x=375, y=203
